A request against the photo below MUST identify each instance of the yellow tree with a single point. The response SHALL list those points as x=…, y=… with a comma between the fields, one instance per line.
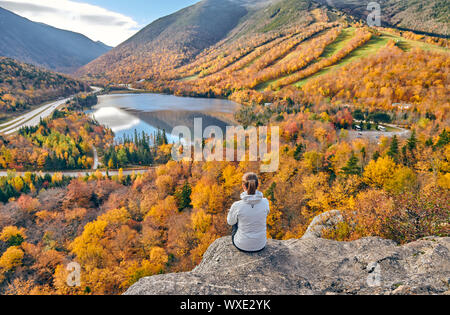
x=201, y=222
x=380, y=172
x=232, y=178
x=11, y=258
x=208, y=196
x=163, y=210
x=403, y=179
x=88, y=247
x=13, y=235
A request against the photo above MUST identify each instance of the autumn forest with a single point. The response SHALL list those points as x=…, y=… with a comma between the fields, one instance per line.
x=364, y=126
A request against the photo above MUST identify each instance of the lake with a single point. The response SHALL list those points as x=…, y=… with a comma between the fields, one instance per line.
x=125, y=113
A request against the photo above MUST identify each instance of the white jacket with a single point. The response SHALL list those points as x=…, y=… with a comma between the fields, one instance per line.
x=250, y=214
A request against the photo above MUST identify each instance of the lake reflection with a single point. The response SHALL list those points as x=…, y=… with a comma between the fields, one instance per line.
x=125, y=113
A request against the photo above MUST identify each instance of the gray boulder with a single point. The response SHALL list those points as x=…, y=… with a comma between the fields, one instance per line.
x=323, y=221
x=312, y=266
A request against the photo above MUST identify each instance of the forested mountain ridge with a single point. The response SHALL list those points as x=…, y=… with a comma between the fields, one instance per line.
x=45, y=46
x=176, y=39
x=23, y=85
x=424, y=16
x=173, y=39
x=179, y=39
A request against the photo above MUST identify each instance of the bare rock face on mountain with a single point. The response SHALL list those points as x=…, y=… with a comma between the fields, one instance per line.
x=313, y=266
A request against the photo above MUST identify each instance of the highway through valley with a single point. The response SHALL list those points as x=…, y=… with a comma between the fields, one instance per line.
x=33, y=117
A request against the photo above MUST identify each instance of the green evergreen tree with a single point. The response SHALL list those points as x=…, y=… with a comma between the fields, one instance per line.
x=183, y=197
x=405, y=157
x=352, y=168
x=122, y=157
x=270, y=192
x=15, y=240
x=363, y=157
x=164, y=137
x=136, y=138
x=3, y=197
x=412, y=141
x=298, y=152
x=393, y=149
x=444, y=139
x=376, y=156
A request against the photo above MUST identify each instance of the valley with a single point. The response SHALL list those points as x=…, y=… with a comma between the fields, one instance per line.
x=147, y=112
x=33, y=117
x=87, y=172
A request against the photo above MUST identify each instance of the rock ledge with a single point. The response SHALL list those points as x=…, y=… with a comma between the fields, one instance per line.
x=312, y=266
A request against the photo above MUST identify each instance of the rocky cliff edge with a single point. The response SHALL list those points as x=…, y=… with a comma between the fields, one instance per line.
x=313, y=265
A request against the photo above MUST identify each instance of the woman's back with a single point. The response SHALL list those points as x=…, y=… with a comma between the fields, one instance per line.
x=250, y=214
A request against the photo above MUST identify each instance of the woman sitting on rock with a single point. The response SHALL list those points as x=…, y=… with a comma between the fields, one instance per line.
x=248, y=217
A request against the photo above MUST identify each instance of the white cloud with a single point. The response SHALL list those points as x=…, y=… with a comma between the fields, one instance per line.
x=96, y=22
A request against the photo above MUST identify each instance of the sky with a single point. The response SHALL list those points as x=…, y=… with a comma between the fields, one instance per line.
x=109, y=21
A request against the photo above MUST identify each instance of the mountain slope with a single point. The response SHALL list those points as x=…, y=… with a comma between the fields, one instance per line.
x=176, y=39
x=170, y=40
x=46, y=46
x=255, y=43
x=431, y=16
x=23, y=85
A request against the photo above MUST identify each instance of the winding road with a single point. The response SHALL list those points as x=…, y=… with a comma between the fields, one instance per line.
x=33, y=117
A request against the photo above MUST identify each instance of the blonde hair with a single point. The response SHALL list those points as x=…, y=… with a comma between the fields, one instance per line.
x=251, y=183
